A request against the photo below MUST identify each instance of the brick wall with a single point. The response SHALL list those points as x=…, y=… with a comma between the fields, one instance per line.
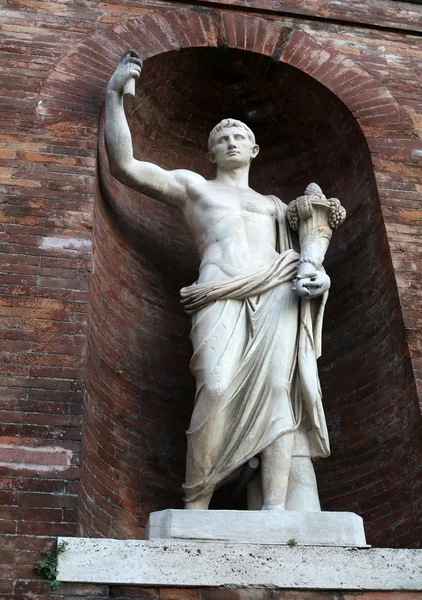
x=56, y=58
x=91, y=592
x=103, y=591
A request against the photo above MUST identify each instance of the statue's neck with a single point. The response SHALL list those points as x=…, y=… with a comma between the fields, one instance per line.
x=234, y=178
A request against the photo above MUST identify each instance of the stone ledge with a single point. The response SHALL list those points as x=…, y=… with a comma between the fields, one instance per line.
x=204, y=564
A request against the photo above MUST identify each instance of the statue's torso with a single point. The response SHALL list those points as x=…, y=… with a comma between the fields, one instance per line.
x=234, y=229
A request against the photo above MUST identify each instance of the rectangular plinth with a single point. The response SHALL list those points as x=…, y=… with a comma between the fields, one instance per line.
x=171, y=563
x=258, y=527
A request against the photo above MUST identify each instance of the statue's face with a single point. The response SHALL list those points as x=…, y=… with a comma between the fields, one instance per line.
x=233, y=148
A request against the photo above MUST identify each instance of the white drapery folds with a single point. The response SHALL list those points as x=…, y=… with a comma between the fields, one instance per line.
x=255, y=350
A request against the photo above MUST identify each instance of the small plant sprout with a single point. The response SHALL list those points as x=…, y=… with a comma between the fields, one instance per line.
x=47, y=568
x=291, y=543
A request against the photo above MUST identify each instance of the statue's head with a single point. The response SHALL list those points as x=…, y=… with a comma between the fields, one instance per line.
x=231, y=143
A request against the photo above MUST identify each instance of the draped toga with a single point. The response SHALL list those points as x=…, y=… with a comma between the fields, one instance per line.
x=255, y=350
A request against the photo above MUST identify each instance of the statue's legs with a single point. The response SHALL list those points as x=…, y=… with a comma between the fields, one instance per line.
x=287, y=473
x=302, y=492
x=276, y=459
x=218, y=337
x=276, y=462
x=244, y=363
x=201, y=503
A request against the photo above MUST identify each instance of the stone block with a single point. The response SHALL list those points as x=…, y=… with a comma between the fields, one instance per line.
x=236, y=565
x=258, y=527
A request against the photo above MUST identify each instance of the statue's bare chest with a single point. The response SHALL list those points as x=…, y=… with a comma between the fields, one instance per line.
x=216, y=202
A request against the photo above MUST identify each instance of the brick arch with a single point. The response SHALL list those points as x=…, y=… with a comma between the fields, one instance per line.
x=115, y=503
x=88, y=67
x=368, y=100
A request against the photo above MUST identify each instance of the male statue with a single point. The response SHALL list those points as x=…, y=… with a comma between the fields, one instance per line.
x=256, y=313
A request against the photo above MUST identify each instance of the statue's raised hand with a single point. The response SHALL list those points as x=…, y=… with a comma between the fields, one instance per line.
x=310, y=282
x=123, y=79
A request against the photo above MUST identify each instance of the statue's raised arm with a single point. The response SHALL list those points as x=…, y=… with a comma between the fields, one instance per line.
x=168, y=186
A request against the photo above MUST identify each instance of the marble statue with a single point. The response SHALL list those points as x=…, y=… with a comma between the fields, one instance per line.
x=256, y=310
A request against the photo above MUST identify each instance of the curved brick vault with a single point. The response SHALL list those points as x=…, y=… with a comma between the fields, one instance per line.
x=316, y=112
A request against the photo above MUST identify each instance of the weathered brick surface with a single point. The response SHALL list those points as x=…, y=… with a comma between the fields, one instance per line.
x=388, y=14
x=55, y=59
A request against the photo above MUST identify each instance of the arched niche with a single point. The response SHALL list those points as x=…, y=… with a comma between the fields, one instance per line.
x=139, y=390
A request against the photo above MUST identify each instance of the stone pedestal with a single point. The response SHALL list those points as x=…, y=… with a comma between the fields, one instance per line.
x=259, y=527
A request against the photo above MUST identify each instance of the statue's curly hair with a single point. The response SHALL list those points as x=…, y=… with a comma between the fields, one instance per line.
x=228, y=123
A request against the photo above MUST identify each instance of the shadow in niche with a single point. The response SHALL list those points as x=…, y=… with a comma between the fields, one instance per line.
x=140, y=392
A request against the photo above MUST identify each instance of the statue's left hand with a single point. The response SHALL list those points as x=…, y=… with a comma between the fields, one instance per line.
x=311, y=283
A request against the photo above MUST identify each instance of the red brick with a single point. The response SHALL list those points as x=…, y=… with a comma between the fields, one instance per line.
x=6, y=586
x=44, y=528
x=296, y=41
x=7, y=526
x=180, y=594
x=212, y=26
x=127, y=591
x=7, y=557
x=150, y=44
x=191, y=26
x=234, y=594
x=229, y=29
x=155, y=24
x=89, y=590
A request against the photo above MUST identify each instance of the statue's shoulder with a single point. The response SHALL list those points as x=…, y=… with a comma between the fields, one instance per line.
x=188, y=177
x=280, y=207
